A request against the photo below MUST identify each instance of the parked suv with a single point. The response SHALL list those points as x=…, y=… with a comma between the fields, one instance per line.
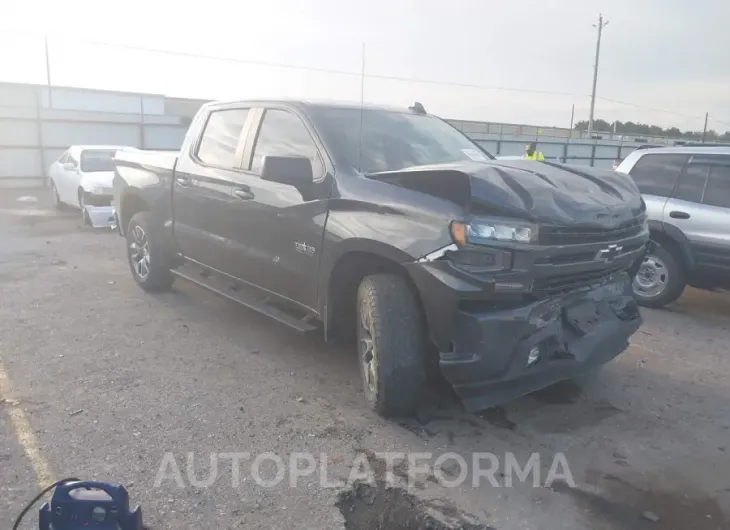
x=687, y=194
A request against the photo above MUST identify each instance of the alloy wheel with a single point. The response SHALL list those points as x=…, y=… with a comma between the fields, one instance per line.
x=139, y=253
x=366, y=347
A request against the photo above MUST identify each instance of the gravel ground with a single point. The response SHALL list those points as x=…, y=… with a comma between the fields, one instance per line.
x=110, y=380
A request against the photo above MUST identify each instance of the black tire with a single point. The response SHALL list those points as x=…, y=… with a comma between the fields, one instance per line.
x=674, y=274
x=56, y=198
x=84, y=214
x=158, y=276
x=388, y=315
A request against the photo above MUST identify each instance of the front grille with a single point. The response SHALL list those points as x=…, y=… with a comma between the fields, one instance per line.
x=556, y=285
x=562, y=235
x=97, y=200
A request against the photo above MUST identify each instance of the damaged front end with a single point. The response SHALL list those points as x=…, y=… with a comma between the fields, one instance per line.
x=510, y=318
x=98, y=210
x=535, y=285
x=501, y=336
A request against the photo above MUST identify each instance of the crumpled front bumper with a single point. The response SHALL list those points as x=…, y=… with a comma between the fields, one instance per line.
x=499, y=351
x=101, y=216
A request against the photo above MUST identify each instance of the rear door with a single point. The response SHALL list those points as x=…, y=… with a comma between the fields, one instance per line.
x=203, y=184
x=700, y=207
x=656, y=175
x=279, y=228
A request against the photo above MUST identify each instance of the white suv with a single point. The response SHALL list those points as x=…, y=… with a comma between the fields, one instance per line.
x=687, y=195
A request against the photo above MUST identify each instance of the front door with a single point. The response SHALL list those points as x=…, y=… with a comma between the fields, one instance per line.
x=700, y=208
x=203, y=188
x=278, y=227
x=69, y=178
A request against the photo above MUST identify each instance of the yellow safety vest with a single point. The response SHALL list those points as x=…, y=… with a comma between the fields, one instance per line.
x=537, y=155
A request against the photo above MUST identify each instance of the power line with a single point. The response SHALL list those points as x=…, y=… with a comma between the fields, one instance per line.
x=333, y=71
x=636, y=105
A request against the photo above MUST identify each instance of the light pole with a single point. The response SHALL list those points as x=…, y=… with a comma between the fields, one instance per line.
x=601, y=24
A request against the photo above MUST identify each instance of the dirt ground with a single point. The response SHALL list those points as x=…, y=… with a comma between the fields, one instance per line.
x=99, y=380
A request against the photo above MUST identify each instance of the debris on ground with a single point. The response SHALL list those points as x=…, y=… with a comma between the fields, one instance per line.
x=367, y=507
x=650, y=516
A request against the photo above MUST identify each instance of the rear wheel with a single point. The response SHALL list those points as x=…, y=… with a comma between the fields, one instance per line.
x=391, y=345
x=147, y=260
x=661, y=278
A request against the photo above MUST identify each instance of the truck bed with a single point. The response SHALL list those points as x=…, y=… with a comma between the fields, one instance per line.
x=164, y=160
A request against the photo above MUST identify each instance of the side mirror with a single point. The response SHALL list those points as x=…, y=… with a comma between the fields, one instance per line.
x=68, y=166
x=292, y=170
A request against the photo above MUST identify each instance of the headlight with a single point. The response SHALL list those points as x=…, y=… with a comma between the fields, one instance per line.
x=485, y=230
x=98, y=190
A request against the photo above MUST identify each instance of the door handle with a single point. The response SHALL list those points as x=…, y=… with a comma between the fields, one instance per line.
x=243, y=194
x=678, y=215
x=182, y=181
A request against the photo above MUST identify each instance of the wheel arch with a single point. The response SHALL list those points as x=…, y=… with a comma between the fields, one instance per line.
x=131, y=203
x=675, y=241
x=337, y=306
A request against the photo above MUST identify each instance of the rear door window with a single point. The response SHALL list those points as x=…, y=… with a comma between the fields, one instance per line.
x=692, y=182
x=218, y=146
x=717, y=192
x=656, y=174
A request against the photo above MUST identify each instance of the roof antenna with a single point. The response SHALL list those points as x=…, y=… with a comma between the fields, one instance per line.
x=417, y=108
x=362, y=104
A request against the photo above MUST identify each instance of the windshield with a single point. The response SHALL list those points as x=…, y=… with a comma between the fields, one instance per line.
x=97, y=160
x=393, y=140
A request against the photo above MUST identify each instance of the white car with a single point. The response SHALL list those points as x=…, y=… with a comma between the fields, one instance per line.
x=82, y=178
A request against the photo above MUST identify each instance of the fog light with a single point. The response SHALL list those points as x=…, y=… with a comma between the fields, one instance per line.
x=534, y=356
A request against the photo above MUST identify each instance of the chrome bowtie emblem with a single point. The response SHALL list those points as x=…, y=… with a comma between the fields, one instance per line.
x=609, y=253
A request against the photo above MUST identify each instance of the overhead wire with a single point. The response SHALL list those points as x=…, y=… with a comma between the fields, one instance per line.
x=335, y=71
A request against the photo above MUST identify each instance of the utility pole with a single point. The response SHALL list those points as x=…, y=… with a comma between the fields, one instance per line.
x=48, y=72
x=572, y=115
x=601, y=24
x=704, y=131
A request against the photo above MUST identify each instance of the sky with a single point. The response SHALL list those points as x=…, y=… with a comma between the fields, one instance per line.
x=664, y=62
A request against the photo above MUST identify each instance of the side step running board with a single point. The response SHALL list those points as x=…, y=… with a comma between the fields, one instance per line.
x=246, y=299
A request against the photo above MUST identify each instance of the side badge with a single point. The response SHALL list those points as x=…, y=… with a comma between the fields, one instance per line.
x=303, y=248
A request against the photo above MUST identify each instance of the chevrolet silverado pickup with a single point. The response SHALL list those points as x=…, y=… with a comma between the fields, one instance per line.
x=392, y=228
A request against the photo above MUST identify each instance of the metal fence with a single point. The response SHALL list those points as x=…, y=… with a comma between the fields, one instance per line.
x=37, y=125
x=503, y=140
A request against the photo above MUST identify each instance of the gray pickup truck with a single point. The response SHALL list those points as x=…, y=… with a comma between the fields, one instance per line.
x=390, y=226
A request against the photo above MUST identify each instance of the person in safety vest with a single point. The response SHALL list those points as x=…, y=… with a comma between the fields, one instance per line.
x=531, y=154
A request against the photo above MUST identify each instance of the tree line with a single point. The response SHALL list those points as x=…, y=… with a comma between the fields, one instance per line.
x=639, y=129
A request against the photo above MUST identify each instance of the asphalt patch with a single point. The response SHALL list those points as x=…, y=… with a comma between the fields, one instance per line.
x=385, y=506
x=625, y=506
x=367, y=507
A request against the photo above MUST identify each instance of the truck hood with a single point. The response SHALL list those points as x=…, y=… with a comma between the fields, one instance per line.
x=537, y=191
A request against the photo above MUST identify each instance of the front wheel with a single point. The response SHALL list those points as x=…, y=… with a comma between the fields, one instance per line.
x=82, y=205
x=56, y=198
x=147, y=259
x=660, y=279
x=391, y=345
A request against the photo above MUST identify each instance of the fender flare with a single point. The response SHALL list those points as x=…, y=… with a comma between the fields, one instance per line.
x=678, y=237
x=336, y=253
